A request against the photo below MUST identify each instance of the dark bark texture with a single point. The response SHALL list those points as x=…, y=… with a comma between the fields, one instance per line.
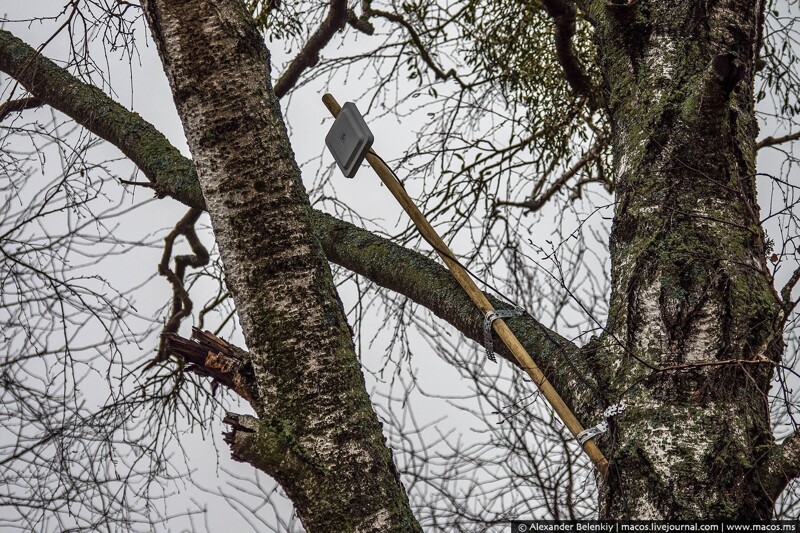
x=695, y=323
x=316, y=432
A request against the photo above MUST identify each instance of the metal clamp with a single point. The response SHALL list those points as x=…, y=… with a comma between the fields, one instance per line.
x=602, y=427
x=491, y=316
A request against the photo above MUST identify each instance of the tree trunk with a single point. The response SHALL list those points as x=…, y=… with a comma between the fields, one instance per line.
x=317, y=433
x=695, y=325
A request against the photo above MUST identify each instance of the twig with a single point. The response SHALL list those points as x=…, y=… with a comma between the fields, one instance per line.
x=309, y=55
x=146, y=184
x=535, y=203
x=759, y=360
x=21, y=104
x=423, y=52
x=210, y=307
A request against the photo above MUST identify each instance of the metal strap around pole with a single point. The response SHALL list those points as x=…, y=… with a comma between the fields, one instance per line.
x=490, y=317
x=480, y=300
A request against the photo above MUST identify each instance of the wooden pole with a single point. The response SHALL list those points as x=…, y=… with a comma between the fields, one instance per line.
x=480, y=300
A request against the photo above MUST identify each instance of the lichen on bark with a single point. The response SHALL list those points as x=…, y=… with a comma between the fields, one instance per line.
x=690, y=285
x=312, y=404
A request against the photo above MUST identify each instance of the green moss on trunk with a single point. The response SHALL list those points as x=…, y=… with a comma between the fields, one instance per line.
x=690, y=286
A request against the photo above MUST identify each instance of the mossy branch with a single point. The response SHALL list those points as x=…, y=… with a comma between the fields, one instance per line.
x=267, y=447
x=781, y=466
x=429, y=284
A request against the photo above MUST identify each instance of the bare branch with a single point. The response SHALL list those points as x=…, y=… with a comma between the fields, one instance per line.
x=564, y=15
x=537, y=200
x=170, y=172
x=772, y=141
x=181, y=303
x=145, y=184
x=309, y=56
x=22, y=104
x=423, y=52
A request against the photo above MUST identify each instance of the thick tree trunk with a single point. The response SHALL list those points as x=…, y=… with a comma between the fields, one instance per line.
x=691, y=289
x=317, y=433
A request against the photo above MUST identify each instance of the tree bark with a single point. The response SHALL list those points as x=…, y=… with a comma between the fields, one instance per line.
x=316, y=433
x=691, y=291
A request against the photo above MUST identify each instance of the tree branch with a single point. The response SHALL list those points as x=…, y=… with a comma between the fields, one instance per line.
x=537, y=200
x=786, y=293
x=772, y=141
x=181, y=303
x=429, y=284
x=22, y=104
x=781, y=466
x=208, y=355
x=564, y=14
x=309, y=56
x=170, y=172
x=423, y=52
x=270, y=447
x=361, y=23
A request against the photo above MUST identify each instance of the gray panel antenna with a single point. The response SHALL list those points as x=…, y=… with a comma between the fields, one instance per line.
x=349, y=139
